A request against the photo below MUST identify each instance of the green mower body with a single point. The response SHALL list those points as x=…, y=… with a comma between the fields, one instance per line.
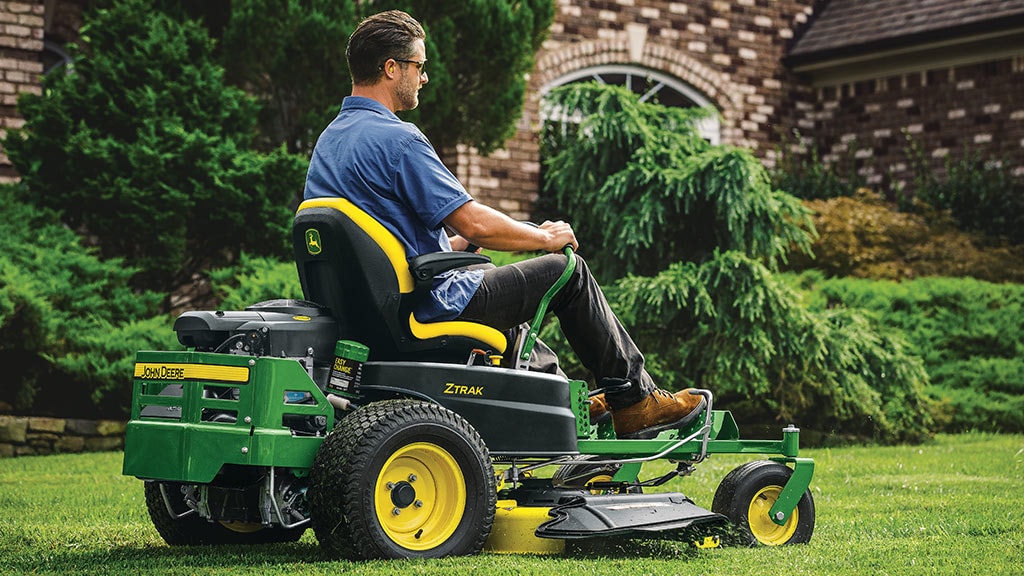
x=394, y=439
x=226, y=443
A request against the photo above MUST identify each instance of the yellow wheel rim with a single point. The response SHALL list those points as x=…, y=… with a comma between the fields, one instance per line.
x=761, y=525
x=420, y=496
x=243, y=527
x=599, y=478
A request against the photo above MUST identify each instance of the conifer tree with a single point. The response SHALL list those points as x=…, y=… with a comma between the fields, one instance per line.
x=291, y=55
x=688, y=235
x=143, y=147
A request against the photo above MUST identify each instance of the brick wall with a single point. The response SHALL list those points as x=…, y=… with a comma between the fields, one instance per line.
x=21, y=46
x=730, y=51
x=948, y=112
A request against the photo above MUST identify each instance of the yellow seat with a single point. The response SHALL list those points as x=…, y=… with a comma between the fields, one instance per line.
x=350, y=263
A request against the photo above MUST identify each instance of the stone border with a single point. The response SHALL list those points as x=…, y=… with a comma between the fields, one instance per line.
x=38, y=436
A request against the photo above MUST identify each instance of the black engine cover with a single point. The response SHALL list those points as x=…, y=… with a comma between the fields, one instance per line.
x=280, y=328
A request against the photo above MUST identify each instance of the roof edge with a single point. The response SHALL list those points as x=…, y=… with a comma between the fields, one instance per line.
x=995, y=26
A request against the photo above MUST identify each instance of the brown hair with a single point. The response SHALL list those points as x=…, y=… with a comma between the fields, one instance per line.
x=385, y=35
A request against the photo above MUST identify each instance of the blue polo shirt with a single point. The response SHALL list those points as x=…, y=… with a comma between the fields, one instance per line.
x=389, y=169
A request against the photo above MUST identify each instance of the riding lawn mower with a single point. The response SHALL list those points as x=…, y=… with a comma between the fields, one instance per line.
x=392, y=438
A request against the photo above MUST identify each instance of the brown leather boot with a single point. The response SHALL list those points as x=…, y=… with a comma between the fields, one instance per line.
x=598, y=409
x=661, y=410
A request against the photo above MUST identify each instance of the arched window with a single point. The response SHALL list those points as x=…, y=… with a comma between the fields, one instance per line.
x=54, y=56
x=651, y=85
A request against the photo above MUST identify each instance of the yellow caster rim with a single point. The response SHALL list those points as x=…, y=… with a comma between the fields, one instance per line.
x=761, y=525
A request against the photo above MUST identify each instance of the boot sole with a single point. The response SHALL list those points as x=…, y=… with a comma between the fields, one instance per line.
x=648, y=433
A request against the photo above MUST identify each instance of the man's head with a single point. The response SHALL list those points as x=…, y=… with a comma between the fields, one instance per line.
x=389, y=47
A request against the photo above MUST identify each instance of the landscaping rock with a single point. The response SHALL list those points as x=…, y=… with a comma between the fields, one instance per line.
x=104, y=443
x=80, y=427
x=13, y=429
x=110, y=428
x=70, y=444
x=39, y=424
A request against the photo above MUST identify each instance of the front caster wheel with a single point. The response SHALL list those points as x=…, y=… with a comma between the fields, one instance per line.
x=747, y=494
x=402, y=479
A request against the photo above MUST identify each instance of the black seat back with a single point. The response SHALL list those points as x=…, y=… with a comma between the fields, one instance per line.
x=352, y=264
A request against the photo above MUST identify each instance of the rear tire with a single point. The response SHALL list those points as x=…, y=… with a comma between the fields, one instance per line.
x=402, y=479
x=747, y=494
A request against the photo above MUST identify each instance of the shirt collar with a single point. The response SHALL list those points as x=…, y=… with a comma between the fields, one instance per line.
x=364, y=103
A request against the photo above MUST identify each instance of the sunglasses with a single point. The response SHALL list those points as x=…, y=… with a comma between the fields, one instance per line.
x=420, y=65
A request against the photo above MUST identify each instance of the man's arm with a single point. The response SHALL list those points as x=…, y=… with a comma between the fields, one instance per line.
x=488, y=228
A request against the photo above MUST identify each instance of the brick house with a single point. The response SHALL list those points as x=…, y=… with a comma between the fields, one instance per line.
x=846, y=77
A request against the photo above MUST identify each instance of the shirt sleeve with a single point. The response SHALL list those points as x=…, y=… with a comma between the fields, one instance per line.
x=427, y=187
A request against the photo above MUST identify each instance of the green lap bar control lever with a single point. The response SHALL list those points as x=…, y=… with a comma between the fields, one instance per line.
x=542, y=308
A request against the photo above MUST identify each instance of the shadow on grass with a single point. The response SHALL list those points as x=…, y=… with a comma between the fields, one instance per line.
x=667, y=545
x=157, y=558
x=139, y=559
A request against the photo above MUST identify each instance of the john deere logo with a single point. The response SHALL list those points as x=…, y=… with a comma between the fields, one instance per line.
x=313, y=241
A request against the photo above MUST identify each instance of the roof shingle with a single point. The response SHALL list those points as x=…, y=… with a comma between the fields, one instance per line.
x=877, y=24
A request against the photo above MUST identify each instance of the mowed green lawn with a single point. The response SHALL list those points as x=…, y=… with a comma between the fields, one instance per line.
x=953, y=506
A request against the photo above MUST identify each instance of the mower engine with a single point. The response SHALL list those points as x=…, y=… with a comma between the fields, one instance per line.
x=295, y=329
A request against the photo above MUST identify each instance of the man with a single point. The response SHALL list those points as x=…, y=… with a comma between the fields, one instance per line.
x=388, y=168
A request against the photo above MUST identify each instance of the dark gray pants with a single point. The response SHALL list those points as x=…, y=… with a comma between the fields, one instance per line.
x=510, y=294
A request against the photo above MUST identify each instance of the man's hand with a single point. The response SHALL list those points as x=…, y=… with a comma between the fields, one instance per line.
x=561, y=235
x=460, y=244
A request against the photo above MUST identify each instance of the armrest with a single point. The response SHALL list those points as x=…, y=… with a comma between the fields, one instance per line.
x=425, y=266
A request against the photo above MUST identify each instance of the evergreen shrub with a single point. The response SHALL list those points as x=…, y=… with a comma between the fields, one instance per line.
x=694, y=232
x=866, y=236
x=968, y=333
x=143, y=147
x=70, y=323
x=981, y=193
x=255, y=279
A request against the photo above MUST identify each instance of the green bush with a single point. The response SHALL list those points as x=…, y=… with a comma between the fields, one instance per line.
x=69, y=322
x=143, y=147
x=968, y=333
x=981, y=194
x=867, y=237
x=643, y=189
x=697, y=231
x=731, y=326
x=254, y=279
x=805, y=175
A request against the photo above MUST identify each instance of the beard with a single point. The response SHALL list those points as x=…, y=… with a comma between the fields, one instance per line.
x=408, y=92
